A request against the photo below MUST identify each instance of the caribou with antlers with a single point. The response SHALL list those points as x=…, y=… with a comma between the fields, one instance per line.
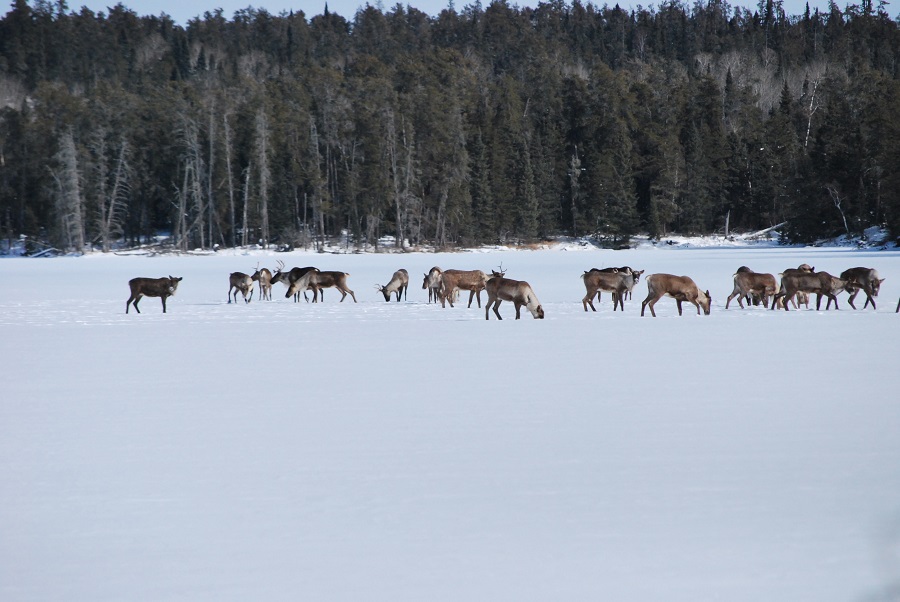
x=264, y=277
x=290, y=277
x=399, y=284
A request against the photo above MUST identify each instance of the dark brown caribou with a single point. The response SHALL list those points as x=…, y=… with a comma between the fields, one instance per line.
x=861, y=279
x=290, y=277
x=151, y=287
x=820, y=283
x=753, y=287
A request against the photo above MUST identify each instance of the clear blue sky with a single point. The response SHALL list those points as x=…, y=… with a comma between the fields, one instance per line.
x=181, y=11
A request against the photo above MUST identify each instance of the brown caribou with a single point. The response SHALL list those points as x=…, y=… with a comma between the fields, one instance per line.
x=290, y=277
x=264, y=277
x=473, y=281
x=519, y=292
x=399, y=284
x=240, y=283
x=820, y=283
x=432, y=283
x=753, y=287
x=151, y=287
x=680, y=288
x=618, y=282
x=316, y=280
x=861, y=279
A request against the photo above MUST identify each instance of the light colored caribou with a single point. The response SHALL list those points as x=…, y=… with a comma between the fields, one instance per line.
x=240, y=282
x=618, y=281
x=820, y=283
x=316, y=280
x=501, y=289
x=861, y=279
x=151, y=287
x=264, y=277
x=432, y=283
x=680, y=288
x=752, y=286
x=399, y=284
x=473, y=281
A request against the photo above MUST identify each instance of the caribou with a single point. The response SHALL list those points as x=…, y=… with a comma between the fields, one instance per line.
x=820, y=283
x=151, y=287
x=290, y=277
x=316, y=280
x=619, y=282
x=240, y=283
x=264, y=277
x=519, y=292
x=432, y=283
x=861, y=279
x=399, y=284
x=680, y=288
x=473, y=281
x=625, y=269
x=752, y=286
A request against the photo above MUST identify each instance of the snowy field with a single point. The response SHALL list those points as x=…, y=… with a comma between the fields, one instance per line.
x=400, y=452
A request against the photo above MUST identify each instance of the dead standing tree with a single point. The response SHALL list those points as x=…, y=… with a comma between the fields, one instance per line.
x=70, y=206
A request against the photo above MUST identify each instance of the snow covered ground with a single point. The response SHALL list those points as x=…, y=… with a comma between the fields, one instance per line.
x=375, y=451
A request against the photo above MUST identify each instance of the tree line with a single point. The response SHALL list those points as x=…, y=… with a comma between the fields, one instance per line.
x=484, y=124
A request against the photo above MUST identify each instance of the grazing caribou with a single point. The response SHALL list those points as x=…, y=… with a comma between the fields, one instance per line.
x=680, y=288
x=240, y=282
x=290, y=277
x=750, y=285
x=399, y=284
x=618, y=282
x=151, y=287
x=820, y=283
x=501, y=289
x=473, y=281
x=316, y=280
x=264, y=277
x=861, y=279
x=432, y=283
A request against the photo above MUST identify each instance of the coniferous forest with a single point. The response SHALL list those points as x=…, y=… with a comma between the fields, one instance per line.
x=484, y=124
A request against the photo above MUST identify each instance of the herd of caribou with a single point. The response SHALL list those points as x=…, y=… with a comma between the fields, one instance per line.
x=444, y=286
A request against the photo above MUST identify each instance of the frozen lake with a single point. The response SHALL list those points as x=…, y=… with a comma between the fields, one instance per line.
x=400, y=451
